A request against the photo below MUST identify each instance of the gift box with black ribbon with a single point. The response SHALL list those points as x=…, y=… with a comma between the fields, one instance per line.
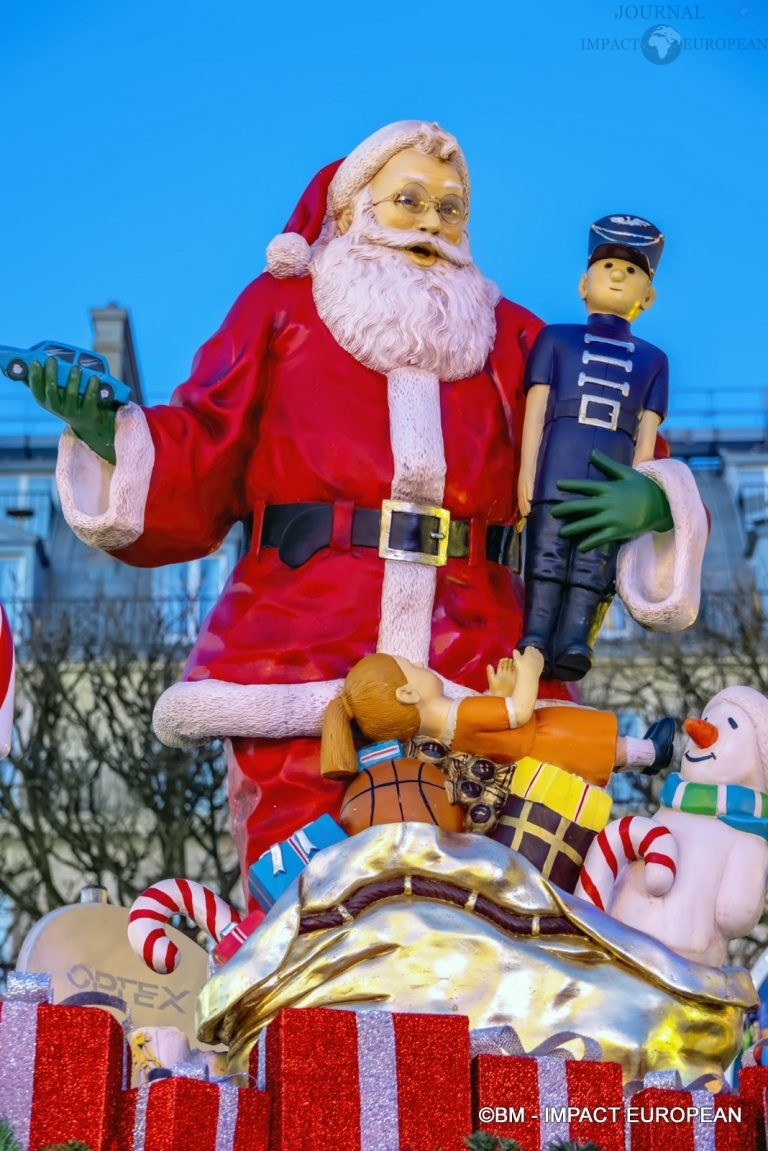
x=551, y=817
x=61, y=1068
x=181, y=1109
x=365, y=1081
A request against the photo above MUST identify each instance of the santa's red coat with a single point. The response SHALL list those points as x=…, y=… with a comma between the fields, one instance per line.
x=276, y=412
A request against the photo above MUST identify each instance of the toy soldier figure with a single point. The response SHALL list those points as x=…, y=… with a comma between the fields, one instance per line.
x=592, y=386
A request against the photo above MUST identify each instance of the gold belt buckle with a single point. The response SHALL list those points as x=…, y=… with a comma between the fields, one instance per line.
x=611, y=422
x=442, y=515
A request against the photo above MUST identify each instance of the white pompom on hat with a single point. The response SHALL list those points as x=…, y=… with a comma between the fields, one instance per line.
x=336, y=185
x=289, y=253
x=755, y=705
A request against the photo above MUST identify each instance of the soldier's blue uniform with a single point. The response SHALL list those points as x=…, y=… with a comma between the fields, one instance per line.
x=601, y=379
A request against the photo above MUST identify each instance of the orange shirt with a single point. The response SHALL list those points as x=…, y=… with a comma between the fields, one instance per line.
x=579, y=740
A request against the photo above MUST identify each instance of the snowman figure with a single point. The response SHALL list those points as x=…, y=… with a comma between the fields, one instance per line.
x=694, y=876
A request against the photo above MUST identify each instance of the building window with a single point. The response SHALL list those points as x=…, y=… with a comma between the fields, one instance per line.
x=25, y=501
x=15, y=585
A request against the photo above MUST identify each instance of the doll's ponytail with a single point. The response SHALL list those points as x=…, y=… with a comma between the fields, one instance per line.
x=369, y=698
x=338, y=758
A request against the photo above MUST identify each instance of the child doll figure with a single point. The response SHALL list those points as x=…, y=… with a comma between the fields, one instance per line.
x=589, y=386
x=391, y=698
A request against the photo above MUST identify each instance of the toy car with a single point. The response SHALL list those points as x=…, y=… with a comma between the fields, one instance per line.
x=14, y=363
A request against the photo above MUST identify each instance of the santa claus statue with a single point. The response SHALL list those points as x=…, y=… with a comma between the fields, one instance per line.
x=360, y=409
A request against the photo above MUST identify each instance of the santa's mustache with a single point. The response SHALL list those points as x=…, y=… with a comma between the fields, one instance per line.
x=369, y=232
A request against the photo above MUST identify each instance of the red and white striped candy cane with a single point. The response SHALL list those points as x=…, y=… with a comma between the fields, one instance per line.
x=7, y=674
x=159, y=903
x=624, y=841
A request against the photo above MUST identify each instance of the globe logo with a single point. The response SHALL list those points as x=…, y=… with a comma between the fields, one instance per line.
x=661, y=44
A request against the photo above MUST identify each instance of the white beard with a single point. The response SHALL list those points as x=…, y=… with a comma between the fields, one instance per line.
x=389, y=313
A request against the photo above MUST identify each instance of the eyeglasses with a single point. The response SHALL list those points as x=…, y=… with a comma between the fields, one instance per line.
x=414, y=199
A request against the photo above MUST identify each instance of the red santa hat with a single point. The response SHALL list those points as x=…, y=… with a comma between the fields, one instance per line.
x=336, y=185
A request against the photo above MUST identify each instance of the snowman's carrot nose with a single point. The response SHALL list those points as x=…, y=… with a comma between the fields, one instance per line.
x=702, y=733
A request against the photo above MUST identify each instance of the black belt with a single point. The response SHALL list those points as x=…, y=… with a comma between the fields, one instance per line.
x=299, y=530
x=598, y=412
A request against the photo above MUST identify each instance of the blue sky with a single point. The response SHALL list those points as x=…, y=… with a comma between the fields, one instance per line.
x=151, y=151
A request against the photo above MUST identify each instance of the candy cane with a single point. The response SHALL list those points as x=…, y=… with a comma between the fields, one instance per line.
x=623, y=841
x=158, y=904
x=7, y=672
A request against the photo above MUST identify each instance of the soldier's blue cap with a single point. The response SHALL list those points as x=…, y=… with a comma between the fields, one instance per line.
x=629, y=238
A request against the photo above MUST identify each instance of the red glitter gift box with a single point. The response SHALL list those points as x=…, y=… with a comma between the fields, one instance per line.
x=231, y=942
x=666, y=1120
x=184, y=1111
x=537, y=1100
x=753, y=1085
x=61, y=1068
x=366, y=1081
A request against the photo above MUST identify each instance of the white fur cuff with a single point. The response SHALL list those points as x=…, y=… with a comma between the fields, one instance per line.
x=104, y=505
x=191, y=713
x=659, y=574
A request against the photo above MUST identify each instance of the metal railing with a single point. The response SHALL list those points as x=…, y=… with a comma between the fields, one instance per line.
x=96, y=624
x=722, y=616
x=93, y=625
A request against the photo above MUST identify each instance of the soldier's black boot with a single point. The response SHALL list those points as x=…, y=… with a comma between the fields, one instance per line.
x=542, y=610
x=579, y=619
x=662, y=736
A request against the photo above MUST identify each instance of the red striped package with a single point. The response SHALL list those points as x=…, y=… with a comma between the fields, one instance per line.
x=667, y=1120
x=539, y=1100
x=7, y=673
x=363, y=1081
x=183, y=1112
x=234, y=937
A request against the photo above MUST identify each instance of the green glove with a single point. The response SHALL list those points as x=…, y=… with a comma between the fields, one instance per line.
x=95, y=425
x=620, y=508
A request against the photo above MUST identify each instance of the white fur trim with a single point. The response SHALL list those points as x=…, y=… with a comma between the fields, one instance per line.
x=362, y=164
x=407, y=599
x=188, y=714
x=288, y=255
x=659, y=574
x=416, y=436
x=754, y=704
x=191, y=713
x=104, y=505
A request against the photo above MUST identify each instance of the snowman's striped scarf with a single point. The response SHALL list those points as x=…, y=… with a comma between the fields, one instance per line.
x=739, y=807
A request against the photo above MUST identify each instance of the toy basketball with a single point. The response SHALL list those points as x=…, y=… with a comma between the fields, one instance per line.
x=399, y=791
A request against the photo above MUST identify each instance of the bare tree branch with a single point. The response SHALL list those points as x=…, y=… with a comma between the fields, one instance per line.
x=89, y=794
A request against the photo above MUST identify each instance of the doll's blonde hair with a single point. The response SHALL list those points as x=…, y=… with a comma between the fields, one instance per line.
x=368, y=697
